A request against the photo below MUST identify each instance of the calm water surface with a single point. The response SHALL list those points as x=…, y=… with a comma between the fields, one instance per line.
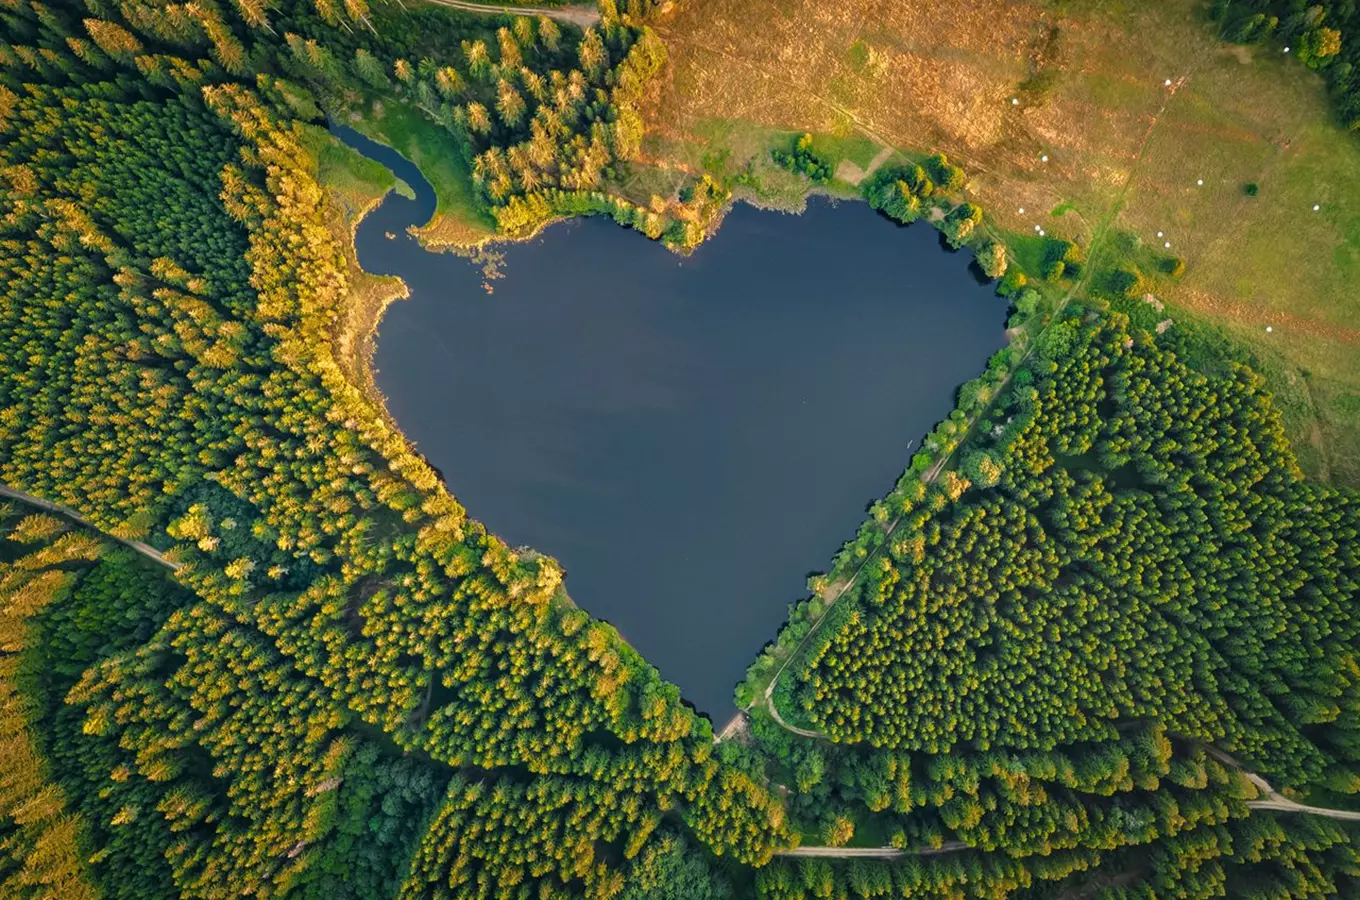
x=689, y=437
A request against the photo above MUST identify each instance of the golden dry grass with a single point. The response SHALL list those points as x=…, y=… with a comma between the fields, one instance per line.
x=1125, y=151
x=353, y=186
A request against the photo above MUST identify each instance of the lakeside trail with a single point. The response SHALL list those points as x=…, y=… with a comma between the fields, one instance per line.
x=146, y=550
x=1097, y=241
x=580, y=16
x=1272, y=799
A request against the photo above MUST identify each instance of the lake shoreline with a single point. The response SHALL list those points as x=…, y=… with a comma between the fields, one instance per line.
x=355, y=337
x=357, y=333
x=643, y=445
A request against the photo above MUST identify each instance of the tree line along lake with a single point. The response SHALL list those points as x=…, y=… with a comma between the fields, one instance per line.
x=688, y=436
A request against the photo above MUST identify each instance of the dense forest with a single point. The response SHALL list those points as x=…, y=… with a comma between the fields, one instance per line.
x=1142, y=512
x=1073, y=649
x=170, y=291
x=1066, y=651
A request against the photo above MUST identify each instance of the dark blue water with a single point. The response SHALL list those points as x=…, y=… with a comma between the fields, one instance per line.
x=689, y=437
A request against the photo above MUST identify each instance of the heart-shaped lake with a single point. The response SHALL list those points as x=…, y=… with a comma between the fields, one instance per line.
x=689, y=437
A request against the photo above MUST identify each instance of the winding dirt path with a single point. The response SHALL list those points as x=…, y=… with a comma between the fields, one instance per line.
x=853, y=174
x=1284, y=804
x=1277, y=801
x=146, y=550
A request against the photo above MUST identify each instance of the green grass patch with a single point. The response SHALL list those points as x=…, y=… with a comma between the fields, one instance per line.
x=859, y=54
x=854, y=147
x=870, y=830
x=1028, y=252
x=459, y=218
x=741, y=136
x=740, y=154
x=357, y=180
x=1109, y=90
x=1037, y=86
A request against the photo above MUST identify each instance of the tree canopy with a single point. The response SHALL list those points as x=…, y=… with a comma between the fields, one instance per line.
x=348, y=688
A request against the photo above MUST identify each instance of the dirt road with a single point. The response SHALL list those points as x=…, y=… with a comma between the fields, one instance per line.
x=146, y=550
x=580, y=16
x=874, y=852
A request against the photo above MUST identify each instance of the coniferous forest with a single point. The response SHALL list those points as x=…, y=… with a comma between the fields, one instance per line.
x=276, y=658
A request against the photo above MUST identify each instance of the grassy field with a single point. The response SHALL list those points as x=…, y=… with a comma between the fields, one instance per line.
x=1000, y=84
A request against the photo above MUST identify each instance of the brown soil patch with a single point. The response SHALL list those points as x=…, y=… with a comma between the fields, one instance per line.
x=1247, y=314
x=853, y=174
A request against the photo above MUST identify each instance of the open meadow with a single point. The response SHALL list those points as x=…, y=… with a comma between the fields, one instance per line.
x=1063, y=116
